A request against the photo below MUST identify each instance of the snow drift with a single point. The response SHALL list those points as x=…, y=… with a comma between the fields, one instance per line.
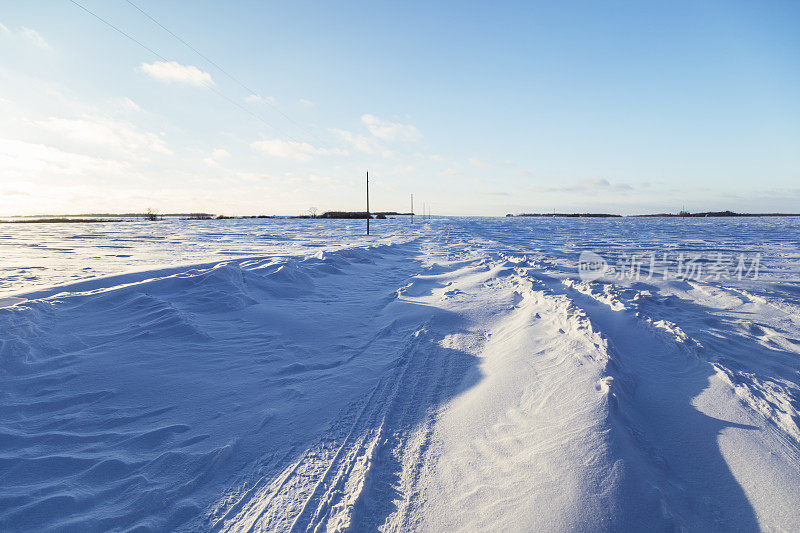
x=457, y=376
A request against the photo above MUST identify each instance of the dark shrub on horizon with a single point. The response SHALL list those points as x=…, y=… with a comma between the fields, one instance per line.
x=344, y=214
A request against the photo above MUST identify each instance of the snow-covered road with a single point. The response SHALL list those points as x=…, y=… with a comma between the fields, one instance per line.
x=457, y=375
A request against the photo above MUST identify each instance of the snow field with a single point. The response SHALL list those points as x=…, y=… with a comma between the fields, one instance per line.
x=454, y=377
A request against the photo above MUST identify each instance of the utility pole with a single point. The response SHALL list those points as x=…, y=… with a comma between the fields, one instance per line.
x=367, y=202
x=412, y=208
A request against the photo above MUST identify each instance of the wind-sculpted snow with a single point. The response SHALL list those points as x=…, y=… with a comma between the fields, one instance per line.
x=453, y=375
x=37, y=256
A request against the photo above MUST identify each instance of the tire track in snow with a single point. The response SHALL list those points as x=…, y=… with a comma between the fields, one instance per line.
x=298, y=494
x=330, y=503
x=367, y=475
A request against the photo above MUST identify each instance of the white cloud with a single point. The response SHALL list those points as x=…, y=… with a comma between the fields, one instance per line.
x=362, y=143
x=174, y=72
x=257, y=99
x=33, y=36
x=129, y=105
x=477, y=163
x=321, y=180
x=380, y=132
x=588, y=186
x=217, y=155
x=452, y=173
x=307, y=103
x=220, y=153
x=27, y=161
x=390, y=131
x=253, y=177
x=94, y=132
x=3, y=29
x=14, y=192
x=298, y=151
x=604, y=184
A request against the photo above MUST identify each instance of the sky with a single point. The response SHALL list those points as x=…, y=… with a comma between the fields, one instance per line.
x=476, y=108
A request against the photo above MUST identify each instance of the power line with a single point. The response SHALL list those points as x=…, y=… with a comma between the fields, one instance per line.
x=104, y=21
x=225, y=72
x=205, y=84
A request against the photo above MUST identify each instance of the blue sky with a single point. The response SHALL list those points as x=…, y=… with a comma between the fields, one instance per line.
x=475, y=107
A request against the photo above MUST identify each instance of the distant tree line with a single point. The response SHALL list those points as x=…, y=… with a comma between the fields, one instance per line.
x=680, y=214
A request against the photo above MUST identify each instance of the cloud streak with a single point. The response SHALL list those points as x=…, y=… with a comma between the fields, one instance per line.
x=362, y=143
x=28, y=34
x=174, y=72
x=35, y=37
x=390, y=131
x=258, y=99
x=452, y=173
x=589, y=186
x=298, y=151
x=217, y=155
x=27, y=161
x=101, y=132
